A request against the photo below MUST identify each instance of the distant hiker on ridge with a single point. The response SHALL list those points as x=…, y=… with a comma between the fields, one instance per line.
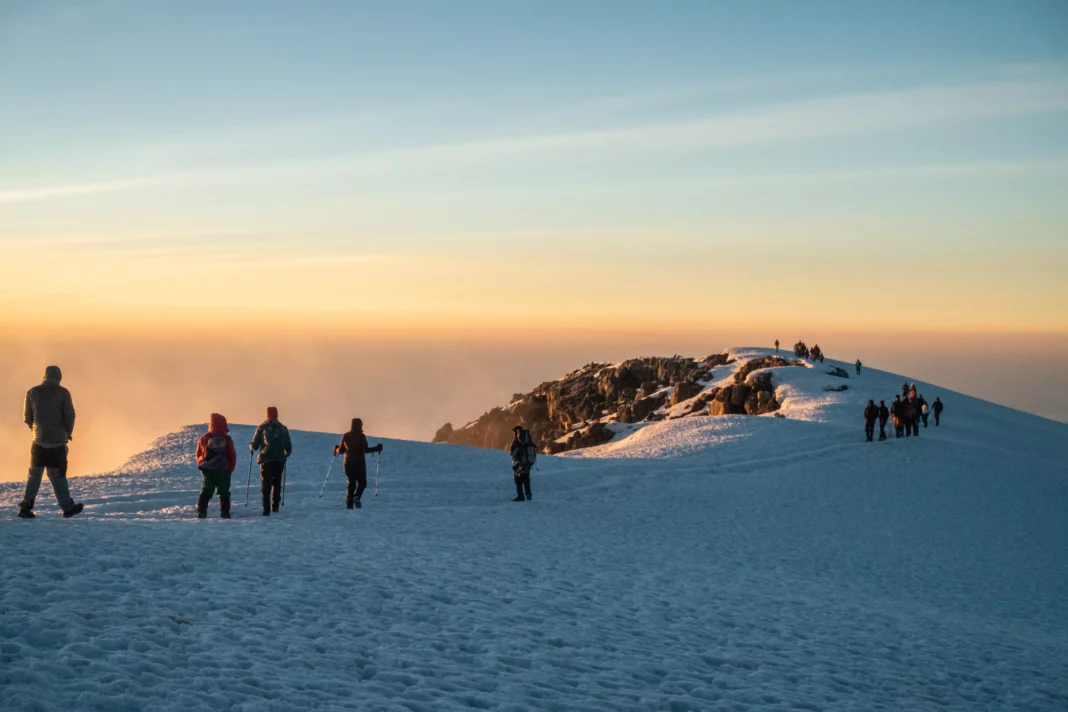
x=275, y=446
x=871, y=414
x=49, y=412
x=884, y=415
x=524, y=453
x=216, y=460
x=904, y=390
x=354, y=447
x=859, y=364
x=776, y=346
x=937, y=408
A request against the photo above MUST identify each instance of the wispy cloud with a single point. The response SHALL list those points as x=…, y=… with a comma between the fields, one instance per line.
x=817, y=119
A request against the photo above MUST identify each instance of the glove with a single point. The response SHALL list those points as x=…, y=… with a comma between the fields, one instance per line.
x=337, y=450
x=378, y=448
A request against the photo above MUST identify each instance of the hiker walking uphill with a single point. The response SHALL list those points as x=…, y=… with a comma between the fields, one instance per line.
x=275, y=446
x=937, y=408
x=859, y=364
x=354, y=446
x=898, y=413
x=914, y=409
x=871, y=414
x=49, y=412
x=922, y=412
x=884, y=415
x=216, y=460
x=524, y=453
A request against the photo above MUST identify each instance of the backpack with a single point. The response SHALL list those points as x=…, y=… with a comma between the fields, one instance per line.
x=215, y=457
x=925, y=409
x=274, y=442
x=528, y=453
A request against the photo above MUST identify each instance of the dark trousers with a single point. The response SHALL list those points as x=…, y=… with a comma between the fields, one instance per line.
x=899, y=430
x=924, y=416
x=938, y=418
x=916, y=427
x=869, y=430
x=522, y=481
x=355, y=484
x=882, y=430
x=271, y=484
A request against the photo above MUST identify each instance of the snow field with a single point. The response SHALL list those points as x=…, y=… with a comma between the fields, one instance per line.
x=730, y=563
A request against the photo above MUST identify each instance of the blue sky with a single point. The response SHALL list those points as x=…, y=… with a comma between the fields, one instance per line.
x=591, y=128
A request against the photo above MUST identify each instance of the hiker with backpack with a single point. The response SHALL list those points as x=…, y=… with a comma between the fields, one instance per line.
x=354, y=446
x=49, y=412
x=275, y=446
x=937, y=408
x=524, y=453
x=216, y=460
x=871, y=414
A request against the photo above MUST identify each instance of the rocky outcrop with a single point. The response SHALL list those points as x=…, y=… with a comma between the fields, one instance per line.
x=575, y=411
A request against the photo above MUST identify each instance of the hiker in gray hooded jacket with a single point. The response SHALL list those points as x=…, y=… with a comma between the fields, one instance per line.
x=49, y=412
x=275, y=446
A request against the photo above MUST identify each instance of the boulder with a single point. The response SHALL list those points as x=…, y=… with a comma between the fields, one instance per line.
x=684, y=391
x=839, y=372
x=443, y=434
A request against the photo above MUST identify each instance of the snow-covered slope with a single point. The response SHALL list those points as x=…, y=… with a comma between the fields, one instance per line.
x=735, y=562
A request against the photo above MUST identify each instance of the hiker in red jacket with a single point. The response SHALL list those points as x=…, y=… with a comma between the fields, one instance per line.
x=216, y=460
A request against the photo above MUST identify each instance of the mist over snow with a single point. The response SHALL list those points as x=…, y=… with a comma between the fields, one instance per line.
x=730, y=562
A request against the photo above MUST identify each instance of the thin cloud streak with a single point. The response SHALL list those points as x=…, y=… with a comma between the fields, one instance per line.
x=841, y=116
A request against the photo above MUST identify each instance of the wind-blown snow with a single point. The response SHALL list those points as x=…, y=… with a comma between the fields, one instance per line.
x=698, y=564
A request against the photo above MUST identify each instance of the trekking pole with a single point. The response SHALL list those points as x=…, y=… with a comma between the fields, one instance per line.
x=285, y=467
x=378, y=468
x=327, y=476
x=248, y=483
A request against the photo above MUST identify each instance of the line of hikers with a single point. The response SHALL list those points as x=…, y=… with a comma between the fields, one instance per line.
x=908, y=410
x=49, y=412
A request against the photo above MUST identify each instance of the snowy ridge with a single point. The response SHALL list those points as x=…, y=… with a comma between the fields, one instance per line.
x=734, y=562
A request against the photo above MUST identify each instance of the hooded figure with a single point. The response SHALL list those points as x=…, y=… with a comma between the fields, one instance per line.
x=49, y=412
x=275, y=446
x=216, y=460
x=354, y=447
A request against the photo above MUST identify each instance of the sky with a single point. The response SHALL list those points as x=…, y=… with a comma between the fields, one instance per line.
x=500, y=174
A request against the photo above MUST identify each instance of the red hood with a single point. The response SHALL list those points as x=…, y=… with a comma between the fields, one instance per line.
x=218, y=424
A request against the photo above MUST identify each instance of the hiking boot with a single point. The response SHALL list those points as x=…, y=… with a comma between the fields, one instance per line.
x=26, y=513
x=74, y=511
x=202, y=507
x=274, y=508
x=519, y=498
x=356, y=503
x=266, y=512
x=224, y=507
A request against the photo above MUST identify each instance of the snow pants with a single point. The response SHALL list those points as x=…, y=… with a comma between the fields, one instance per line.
x=938, y=418
x=355, y=484
x=271, y=484
x=54, y=460
x=212, y=480
x=924, y=416
x=882, y=430
x=521, y=475
x=869, y=430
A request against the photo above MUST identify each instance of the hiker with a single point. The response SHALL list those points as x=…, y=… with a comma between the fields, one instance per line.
x=904, y=390
x=216, y=460
x=912, y=391
x=898, y=413
x=871, y=414
x=859, y=364
x=923, y=409
x=354, y=447
x=524, y=452
x=275, y=446
x=776, y=346
x=49, y=412
x=915, y=406
x=884, y=415
x=937, y=408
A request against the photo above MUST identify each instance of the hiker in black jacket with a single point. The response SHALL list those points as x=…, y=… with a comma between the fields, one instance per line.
x=884, y=415
x=871, y=414
x=523, y=452
x=937, y=408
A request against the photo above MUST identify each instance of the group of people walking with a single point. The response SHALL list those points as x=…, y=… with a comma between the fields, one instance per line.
x=908, y=410
x=49, y=412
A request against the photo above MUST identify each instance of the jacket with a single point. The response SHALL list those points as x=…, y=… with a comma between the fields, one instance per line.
x=354, y=447
x=262, y=441
x=937, y=407
x=49, y=411
x=884, y=414
x=871, y=412
x=215, y=449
